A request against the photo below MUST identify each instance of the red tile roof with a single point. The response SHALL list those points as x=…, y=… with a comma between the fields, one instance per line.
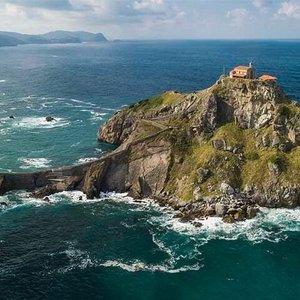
x=243, y=68
x=267, y=77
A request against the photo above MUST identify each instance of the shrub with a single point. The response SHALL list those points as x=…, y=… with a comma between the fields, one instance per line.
x=251, y=155
x=285, y=111
x=279, y=159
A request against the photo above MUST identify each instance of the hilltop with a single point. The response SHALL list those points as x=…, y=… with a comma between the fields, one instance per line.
x=54, y=37
x=221, y=151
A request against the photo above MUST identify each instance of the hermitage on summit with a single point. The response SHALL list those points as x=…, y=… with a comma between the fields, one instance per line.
x=248, y=72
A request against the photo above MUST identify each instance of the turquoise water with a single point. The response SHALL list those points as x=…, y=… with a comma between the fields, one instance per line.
x=112, y=248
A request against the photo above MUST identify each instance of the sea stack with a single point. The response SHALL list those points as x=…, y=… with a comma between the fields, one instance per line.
x=223, y=151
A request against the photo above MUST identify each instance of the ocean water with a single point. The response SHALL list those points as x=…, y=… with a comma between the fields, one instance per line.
x=112, y=247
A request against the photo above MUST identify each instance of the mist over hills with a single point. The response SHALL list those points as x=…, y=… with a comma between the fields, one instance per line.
x=54, y=37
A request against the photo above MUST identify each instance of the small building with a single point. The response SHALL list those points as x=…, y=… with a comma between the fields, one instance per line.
x=246, y=72
x=267, y=78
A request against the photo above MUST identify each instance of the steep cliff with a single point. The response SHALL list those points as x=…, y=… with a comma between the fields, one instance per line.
x=220, y=151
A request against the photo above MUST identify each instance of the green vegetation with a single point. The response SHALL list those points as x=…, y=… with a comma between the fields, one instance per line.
x=164, y=99
x=285, y=111
x=231, y=133
x=240, y=157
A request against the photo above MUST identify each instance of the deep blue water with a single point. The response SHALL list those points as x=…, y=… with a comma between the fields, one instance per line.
x=111, y=248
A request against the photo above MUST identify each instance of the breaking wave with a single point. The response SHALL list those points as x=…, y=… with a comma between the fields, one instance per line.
x=179, y=243
x=85, y=160
x=37, y=163
x=40, y=122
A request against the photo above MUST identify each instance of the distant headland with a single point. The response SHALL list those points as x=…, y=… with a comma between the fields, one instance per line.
x=54, y=37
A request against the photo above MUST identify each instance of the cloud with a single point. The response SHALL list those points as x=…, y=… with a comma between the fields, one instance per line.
x=46, y=4
x=156, y=18
x=260, y=3
x=14, y=11
x=238, y=17
x=149, y=5
x=289, y=10
x=263, y=6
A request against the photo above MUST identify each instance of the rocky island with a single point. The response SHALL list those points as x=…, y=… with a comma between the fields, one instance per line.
x=223, y=151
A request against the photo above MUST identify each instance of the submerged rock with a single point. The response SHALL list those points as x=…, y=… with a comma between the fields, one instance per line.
x=197, y=224
x=49, y=119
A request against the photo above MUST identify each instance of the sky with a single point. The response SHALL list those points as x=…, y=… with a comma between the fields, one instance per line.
x=156, y=19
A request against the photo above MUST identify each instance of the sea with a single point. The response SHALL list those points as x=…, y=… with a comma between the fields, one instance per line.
x=113, y=247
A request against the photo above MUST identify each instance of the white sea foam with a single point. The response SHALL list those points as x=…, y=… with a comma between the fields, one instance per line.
x=109, y=109
x=23, y=199
x=73, y=197
x=137, y=266
x=97, y=116
x=2, y=80
x=86, y=160
x=5, y=170
x=37, y=163
x=39, y=122
x=75, y=144
x=82, y=259
x=180, y=242
x=83, y=102
x=4, y=131
x=121, y=197
x=270, y=225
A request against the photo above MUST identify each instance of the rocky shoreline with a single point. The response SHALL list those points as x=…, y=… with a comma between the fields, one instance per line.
x=224, y=151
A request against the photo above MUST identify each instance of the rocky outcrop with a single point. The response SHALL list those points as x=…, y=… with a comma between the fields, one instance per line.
x=219, y=152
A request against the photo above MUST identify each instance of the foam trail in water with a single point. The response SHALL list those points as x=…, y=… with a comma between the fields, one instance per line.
x=82, y=259
x=40, y=122
x=37, y=163
x=137, y=266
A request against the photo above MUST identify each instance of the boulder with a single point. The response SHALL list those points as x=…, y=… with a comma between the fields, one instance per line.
x=239, y=215
x=263, y=120
x=228, y=219
x=226, y=189
x=251, y=212
x=220, y=209
x=276, y=141
x=197, y=224
x=210, y=211
x=219, y=144
x=197, y=194
x=49, y=119
x=203, y=174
